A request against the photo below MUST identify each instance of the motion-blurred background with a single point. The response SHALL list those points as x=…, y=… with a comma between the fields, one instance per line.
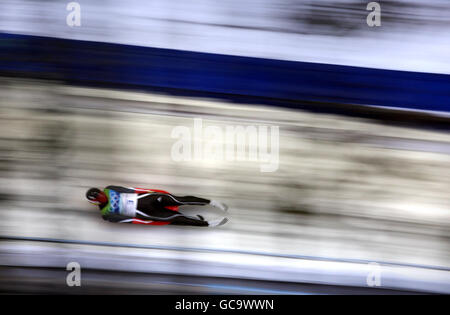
x=362, y=188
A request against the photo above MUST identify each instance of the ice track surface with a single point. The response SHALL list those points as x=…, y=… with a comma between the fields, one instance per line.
x=348, y=192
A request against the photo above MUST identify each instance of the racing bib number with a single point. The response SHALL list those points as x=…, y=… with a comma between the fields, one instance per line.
x=129, y=204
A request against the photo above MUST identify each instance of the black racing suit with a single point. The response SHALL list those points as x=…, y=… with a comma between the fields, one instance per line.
x=154, y=205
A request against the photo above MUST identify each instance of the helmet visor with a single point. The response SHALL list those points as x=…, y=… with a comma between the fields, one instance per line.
x=96, y=196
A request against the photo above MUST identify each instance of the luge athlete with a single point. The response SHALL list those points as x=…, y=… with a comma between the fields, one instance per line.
x=149, y=206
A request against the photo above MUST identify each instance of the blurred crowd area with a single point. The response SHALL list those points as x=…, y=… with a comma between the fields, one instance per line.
x=413, y=35
x=324, y=17
x=345, y=187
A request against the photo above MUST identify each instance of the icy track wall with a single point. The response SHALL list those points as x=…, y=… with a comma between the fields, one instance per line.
x=97, y=63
